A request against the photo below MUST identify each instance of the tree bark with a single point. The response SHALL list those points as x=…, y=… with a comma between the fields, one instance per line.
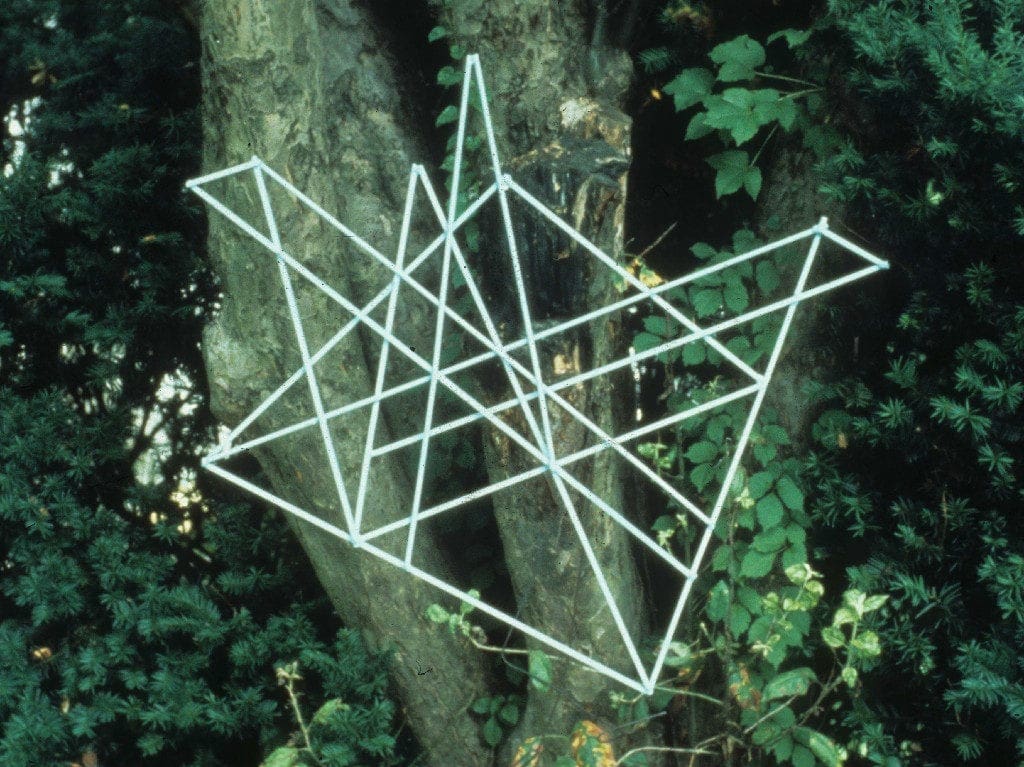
x=314, y=96
x=315, y=89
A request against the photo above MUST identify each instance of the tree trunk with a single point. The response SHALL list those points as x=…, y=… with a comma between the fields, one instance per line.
x=322, y=94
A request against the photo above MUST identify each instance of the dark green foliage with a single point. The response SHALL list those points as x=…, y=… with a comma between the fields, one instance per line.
x=142, y=612
x=921, y=445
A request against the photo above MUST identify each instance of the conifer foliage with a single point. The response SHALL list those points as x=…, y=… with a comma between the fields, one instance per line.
x=142, y=615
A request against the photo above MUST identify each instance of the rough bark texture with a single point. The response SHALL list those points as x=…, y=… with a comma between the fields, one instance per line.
x=556, y=98
x=790, y=194
x=311, y=92
x=316, y=90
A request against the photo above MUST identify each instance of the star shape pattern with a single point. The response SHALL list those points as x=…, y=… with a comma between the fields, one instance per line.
x=537, y=394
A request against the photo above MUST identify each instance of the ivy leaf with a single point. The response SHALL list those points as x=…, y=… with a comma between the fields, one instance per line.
x=755, y=564
x=509, y=713
x=481, y=705
x=794, y=37
x=789, y=683
x=738, y=58
x=448, y=115
x=591, y=745
x=528, y=754
x=448, y=75
x=492, y=732
x=733, y=168
x=689, y=86
x=769, y=511
x=540, y=670
x=438, y=32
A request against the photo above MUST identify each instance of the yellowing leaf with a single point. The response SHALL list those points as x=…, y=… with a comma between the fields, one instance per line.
x=528, y=754
x=591, y=746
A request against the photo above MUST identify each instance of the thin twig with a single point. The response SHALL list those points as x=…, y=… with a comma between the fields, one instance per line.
x=287, y=676
x=786, y=79
x=657, y=242
x=663, y=750
x=492, y=648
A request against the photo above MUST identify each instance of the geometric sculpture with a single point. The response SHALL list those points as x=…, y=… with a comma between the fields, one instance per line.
x=537, y=393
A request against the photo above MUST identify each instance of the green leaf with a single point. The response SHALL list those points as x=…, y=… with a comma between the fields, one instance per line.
x=868, y=644
x=739, y=619
x=794, y=37
x=698, y=127
x=448, y=75
x=509, y=713
x=285, y=756
x=734, y=114
x=448, y=115
x=833, y=636
x=769, y=511
x=733, y=168
x=755, y=564
x=802, y=757
x=789, y=683
x=703, y=251
x=565, y=761
x=644, y=341
x=823, y=747
x=752, y=182
x=707, y=302
x=718, y=601
x=481, y=705
x=437, y=614
x=760, y=483
x=736, y=297
x=770, y=541
x=492, y=732
x=438, y=32
x=693, y=353
x=540, y=670
x=702, y=475
x=775, y=434
x=660, y=326
x=689, y=87
x=874, y=602
x=790, y=493
x=738, y=58
x=766, y=276
x=701, y=452
x=765, y=453
x=849, y=675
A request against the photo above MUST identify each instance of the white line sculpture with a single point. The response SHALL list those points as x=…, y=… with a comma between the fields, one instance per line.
x=531, y=388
